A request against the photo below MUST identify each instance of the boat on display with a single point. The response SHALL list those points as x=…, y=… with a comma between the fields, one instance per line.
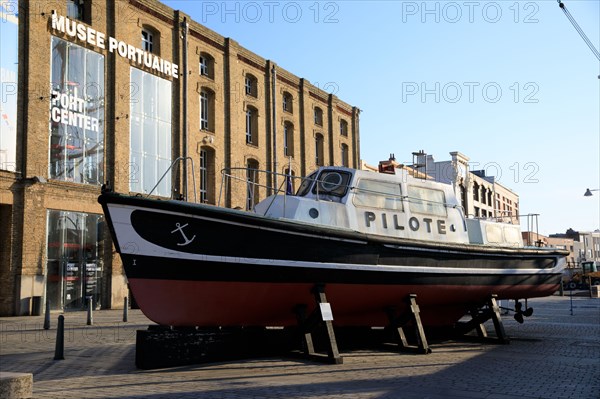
x=371, y=239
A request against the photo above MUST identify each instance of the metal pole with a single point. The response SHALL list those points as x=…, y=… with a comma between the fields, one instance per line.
x=274, y=105
x=47, y=316
x=125, y=309
x=59, y=350
x=90, y=317
x=571, y=297
x=185, y=105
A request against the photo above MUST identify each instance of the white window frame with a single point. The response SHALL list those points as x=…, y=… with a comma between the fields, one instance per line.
x=203, y=66
x=249, y=126
x=147, y=41
x=203, y=176
x=204, y=108
x=249, y=85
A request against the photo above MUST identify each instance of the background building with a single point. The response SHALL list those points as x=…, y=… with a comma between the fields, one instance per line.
x=115, y=91
x=480, y=195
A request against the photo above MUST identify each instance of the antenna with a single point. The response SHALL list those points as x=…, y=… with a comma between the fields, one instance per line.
x=579, y=30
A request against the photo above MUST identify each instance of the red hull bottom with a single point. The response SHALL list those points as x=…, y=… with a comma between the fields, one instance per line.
x=201, y=303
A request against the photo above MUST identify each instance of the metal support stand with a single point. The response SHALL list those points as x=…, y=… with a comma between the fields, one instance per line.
x=480, y=316
x=320, y=317
x=397, y=324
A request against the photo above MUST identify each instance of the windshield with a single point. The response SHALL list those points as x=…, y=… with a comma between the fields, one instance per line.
x=306, y=184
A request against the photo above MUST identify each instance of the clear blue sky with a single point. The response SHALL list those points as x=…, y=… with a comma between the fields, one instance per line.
x=510, y=84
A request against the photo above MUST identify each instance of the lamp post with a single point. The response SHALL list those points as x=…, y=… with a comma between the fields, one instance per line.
x=588, y=192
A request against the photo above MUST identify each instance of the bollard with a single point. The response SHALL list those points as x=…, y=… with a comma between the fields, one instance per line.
x=125, y=309
x=59, y=351
x=90, y=318
x=47, y=316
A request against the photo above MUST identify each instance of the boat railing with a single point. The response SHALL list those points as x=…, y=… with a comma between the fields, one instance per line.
x=287, y=186
x=500, y=217
x=251, y=178
x=177, y=161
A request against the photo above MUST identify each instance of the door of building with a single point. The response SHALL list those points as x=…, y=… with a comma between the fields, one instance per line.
x=75, y=266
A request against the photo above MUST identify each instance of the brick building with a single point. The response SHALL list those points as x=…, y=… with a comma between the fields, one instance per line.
x=115, y=91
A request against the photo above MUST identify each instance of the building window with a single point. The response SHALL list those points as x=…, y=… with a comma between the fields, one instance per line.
x=345, y=157
x=207, y=65
x=318, y=116
x=207, y=110
x=483, y=195
x=319, y=150
x=288, y=139
x=343, y=128
x=203, y=66
x=204, y=110
x=150, y=134
x=76, y=114
x=207, y=175
x=475, y=192
x=9, y=69
x=76, y=9
x=251, y=126
x=252, y=184
x=251, y=85
x=75, y=249
x=288, y=102
x=147, y=41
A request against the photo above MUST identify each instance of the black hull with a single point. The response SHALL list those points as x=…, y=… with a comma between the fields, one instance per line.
x=240, y=261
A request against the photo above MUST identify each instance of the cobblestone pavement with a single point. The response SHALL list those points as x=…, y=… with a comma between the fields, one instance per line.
x=554, y=354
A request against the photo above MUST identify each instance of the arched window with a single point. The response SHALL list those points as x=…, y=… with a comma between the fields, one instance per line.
x=251, y=126
x=207, y=110
x=288, y=102
x=207, y=65
x=343, y=128
x=345, y=155
x=252, y=183
x=251, y=85
x=288, y=139
x=475, y=192
x=319, y=151
x=318, y=116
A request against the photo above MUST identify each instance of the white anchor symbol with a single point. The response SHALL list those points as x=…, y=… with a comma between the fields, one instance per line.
x=180, y=229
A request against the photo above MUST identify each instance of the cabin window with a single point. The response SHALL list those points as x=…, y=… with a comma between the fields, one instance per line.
x=378, y=194
x=332, y=182
x=306, y=184
x=426, y=200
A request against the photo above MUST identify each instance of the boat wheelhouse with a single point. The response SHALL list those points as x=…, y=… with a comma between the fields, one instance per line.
x=391, y=205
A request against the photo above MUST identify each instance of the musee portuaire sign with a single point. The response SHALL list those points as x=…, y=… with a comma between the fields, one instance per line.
x=87, y=34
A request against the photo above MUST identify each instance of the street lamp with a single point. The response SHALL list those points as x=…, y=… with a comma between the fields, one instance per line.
x=588, y=192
